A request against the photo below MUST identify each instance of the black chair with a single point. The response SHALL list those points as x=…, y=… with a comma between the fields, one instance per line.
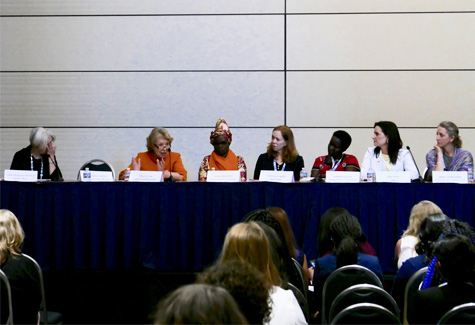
x=46, y=317
x=360, y=293
x=461, y=314
x=97, y=165
x=412, y=287
x=365, y=313
x=341, y=279
x=299, y=270
x=300, y=298
x=6, y=283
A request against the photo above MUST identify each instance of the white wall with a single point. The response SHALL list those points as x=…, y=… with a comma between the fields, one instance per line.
x=101, y=75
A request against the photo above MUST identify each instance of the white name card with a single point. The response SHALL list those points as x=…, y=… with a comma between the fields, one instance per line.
x=98, y=176
x=145, y=176
x=459, y=177
x=219, y=176
x=393, y=177
x=276, y=176
x=342, y=177
x=20, y=175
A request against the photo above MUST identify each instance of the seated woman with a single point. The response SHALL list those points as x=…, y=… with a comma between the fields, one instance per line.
x=158, y=157
x=456, y=264
x=247, y=242
x=406, y=245
x=40, y=155
x=281, y=155
x=387, y=154
x=21, y=272
x=199, y=304
x=336, y=160
x=447, y=153
x=222, y=158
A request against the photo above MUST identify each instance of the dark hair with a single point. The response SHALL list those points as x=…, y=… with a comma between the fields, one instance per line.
x=289, y=152
x=344, y=137
x=456, y=255
x=345, y=231
x=429, y=231
x=452, y=131
x=394, y=139
x=247, y=286
x=199, y=304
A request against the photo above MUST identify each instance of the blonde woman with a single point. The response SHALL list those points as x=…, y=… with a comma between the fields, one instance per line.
x=405, y=246
x=21, y=272
x=247, y=242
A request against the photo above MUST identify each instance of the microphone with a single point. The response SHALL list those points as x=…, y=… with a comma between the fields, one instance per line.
x=420, y=179
x=170, y=179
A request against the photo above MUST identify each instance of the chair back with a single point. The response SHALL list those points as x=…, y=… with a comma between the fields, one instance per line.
x=301, y=276
x=412, y=287
x=97, y=165
x=365, y=313
x=302, y=300
x=461, y=314
x=6, y=283
x=360, y=293
x=341, y=279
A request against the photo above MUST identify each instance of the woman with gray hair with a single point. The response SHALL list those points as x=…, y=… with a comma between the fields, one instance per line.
x=448, y=153
x=40, y=155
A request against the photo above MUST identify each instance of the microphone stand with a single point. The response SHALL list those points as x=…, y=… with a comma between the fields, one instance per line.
x=420, y=179
x=170, y=179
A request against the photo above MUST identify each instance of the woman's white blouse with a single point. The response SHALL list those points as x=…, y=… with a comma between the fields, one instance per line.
x=404, y=163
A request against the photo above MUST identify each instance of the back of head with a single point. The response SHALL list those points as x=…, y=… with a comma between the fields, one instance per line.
x=199, y=304
x=429, y=231
x=247, y=286
x=11, y=235
x=281, y=216
x=324, y=242
x=456, y=255
x=344, y=137
x=247, y=242
x=452, y=131
x=345, y=231
x=418, y=213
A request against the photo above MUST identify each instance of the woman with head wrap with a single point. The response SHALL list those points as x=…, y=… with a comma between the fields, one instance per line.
x=336, y=160
x=222, y=158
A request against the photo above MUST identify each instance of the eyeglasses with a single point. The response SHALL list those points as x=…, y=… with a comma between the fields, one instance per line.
x=163, y=146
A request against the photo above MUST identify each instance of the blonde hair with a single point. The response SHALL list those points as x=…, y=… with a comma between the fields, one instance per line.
x=158, y=133
x=418, y=213
x=247, y=242
x=11, y=235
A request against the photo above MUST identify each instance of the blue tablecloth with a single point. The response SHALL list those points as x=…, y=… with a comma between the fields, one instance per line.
x=181, y=226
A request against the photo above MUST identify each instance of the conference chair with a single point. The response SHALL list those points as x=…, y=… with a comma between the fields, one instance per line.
x=412, y=287
x=46, y=317
x=6, y=283
x=300, y=298
x=365, y=313
x=302, y=283
x=360, y=293
x=97, y=165
x=341, y=279
x=461, y=314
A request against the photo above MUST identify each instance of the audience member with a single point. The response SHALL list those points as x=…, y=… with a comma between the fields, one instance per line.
x=158, y=156
x=222, y=158
x=406, y=245
x=40, y=155
x=281, y=154
x=21, y=272
x=199, y=304
x=447, y=153
x=247, y=286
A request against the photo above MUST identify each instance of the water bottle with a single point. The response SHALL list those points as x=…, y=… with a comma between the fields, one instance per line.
x=303, y=173
x=370, y=176
x=470, y=175
x=86, y=176
x=127, y=175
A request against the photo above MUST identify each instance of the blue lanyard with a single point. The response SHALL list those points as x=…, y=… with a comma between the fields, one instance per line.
x=275, y=166
x=333, y=163
x=31, y=166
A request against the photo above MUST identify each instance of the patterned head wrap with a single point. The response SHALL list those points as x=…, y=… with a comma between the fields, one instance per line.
x=221, y=129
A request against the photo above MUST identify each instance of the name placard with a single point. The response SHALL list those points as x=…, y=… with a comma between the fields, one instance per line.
x=12, y=175
x=459, y=177
x=276, y=176
x=220, y=176
x=145, y=176
x=393, y=177
x=342, y=177
x=98, y=176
